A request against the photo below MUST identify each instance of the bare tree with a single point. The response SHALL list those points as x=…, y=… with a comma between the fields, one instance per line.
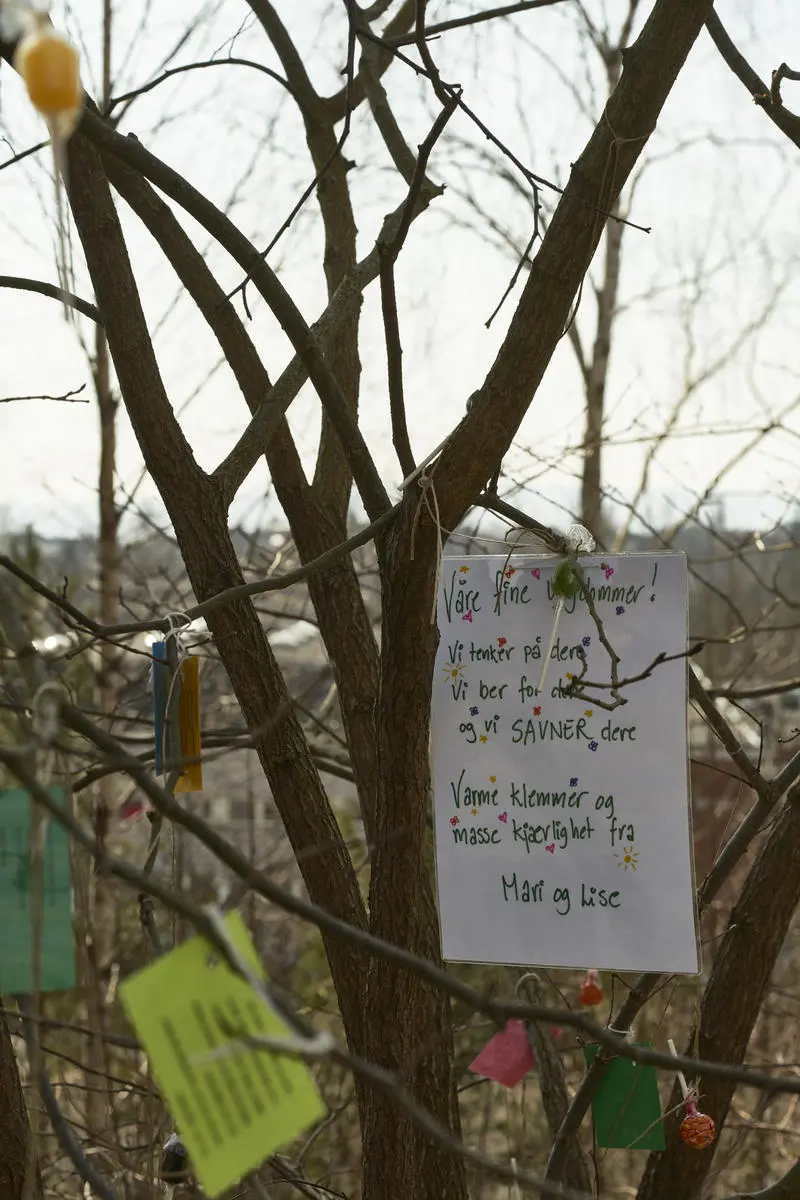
x=394, y=998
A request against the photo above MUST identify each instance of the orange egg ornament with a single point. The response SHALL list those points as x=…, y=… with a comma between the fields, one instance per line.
x=50, y=68
x=49, y=65
x=697, y=1129
x=591, y=993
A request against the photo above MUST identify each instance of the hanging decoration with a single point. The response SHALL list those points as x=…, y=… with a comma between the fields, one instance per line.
x=697, y=1129
x=591, y=993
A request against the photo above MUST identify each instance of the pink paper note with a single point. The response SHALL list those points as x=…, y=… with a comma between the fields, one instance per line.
x=507, y=1058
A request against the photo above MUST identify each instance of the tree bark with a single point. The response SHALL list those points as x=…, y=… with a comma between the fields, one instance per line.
x=416, y=1041
x=14, y=1126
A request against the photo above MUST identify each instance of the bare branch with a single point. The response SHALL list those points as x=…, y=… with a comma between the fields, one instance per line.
x=66, y=1139
x=19, y=284
x=229, y=596
x=490, y=14
x=787, y=122
x=171, y=72
x=221, y=228
x=73, y=396
x=782, y=72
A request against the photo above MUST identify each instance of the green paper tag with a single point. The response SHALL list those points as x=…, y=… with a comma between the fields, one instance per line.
x=626, y=1107
x=235, y=1110
x=57, y=944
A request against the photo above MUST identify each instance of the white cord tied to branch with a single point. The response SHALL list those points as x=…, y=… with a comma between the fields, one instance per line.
x=580, y=541
x=431, y=504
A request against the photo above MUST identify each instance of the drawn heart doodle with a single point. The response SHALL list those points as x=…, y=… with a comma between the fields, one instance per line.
x=536, y=573
x=502, y=641
x=551, y=849
x=503, y=817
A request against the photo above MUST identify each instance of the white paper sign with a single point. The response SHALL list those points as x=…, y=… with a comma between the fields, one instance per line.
x=563, y=835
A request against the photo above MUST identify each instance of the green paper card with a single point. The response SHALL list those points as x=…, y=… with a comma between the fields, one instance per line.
x=57, y=945
x=626, y=1107
x=233, y=1111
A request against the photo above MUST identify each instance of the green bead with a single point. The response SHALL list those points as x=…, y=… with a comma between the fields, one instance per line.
x=567, y=581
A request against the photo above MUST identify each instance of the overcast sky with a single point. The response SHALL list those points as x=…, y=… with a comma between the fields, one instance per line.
x=721, y=195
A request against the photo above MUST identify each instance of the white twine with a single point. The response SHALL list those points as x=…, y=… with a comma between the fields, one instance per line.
x=432, y=506
x=580, y=541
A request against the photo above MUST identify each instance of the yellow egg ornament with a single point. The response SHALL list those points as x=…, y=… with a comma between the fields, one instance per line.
x=49, y=66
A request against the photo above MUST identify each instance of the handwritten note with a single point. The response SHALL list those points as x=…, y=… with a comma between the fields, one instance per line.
x=17, y=943
x=562, y=826
x=235, y=1110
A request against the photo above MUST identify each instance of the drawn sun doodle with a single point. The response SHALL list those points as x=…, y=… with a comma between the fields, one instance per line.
x=628, y=859
x=453, y=670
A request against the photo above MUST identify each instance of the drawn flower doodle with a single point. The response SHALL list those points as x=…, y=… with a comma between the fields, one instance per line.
x=587, y=641
x=473, y=712
x=593, y=745
x=573, y=781
x=620, y=610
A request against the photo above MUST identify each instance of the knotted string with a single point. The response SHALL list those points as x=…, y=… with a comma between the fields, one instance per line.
x=431, y=504
x=580, y=541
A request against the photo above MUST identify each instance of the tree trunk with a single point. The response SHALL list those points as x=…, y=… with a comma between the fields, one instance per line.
x=416, y=1041
x=14, y=1126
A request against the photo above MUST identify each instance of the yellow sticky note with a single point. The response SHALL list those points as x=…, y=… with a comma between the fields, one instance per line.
x=234, y=1111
